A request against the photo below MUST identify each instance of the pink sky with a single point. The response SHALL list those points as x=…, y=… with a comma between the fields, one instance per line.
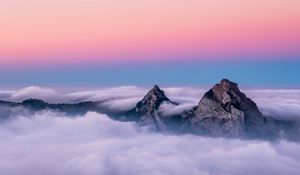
x=34, y=31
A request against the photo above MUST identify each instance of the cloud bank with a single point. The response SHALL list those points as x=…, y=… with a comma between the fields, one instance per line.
x=51, y=143
x=275, y=103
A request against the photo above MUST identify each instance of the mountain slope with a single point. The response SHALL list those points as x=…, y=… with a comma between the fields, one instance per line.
x=145, y=111
x=225, y=111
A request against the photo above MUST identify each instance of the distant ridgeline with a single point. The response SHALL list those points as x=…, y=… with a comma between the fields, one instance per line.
x=223, y=111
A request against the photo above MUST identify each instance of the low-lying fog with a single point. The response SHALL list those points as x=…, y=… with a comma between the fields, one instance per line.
x=51, y=143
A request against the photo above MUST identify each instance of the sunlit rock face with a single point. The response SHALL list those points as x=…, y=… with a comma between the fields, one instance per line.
x=225, y=111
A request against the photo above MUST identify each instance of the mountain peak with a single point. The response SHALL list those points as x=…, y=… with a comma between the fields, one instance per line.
x=226, y=85
x=156, y=92
x=151, y=101
x=226, y=93
x=156, y=87
x=146, y=109
x=225, y=110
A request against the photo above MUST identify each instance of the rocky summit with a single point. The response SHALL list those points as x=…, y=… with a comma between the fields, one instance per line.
x=225, y=111
x=146, y=109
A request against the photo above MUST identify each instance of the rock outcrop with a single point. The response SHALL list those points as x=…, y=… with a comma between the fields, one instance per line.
x=145, y=111
x=225, y=111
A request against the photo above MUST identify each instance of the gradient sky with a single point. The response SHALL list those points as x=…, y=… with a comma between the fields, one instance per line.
x=52, y=37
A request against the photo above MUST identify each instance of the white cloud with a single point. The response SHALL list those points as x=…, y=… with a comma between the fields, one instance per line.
x=6, y=94
x=185, y=94
x=120, y=98
x=108, y=93
x=122, y=104
x=48, y=95
x=51, y=143
x=166, y=109
x=275, y=103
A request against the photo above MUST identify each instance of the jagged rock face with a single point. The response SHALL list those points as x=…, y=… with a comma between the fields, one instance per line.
x=150, y=103
x=225, y=111
x=147, y=108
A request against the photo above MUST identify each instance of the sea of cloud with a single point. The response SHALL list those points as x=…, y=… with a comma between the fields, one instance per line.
x=272, y=102
x=51, y=143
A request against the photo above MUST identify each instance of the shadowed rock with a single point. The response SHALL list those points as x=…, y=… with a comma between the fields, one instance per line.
x=145, y=111
x=151, y=102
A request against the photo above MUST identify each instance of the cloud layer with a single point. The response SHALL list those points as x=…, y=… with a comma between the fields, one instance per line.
x=275, y=103
x=51, y=143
